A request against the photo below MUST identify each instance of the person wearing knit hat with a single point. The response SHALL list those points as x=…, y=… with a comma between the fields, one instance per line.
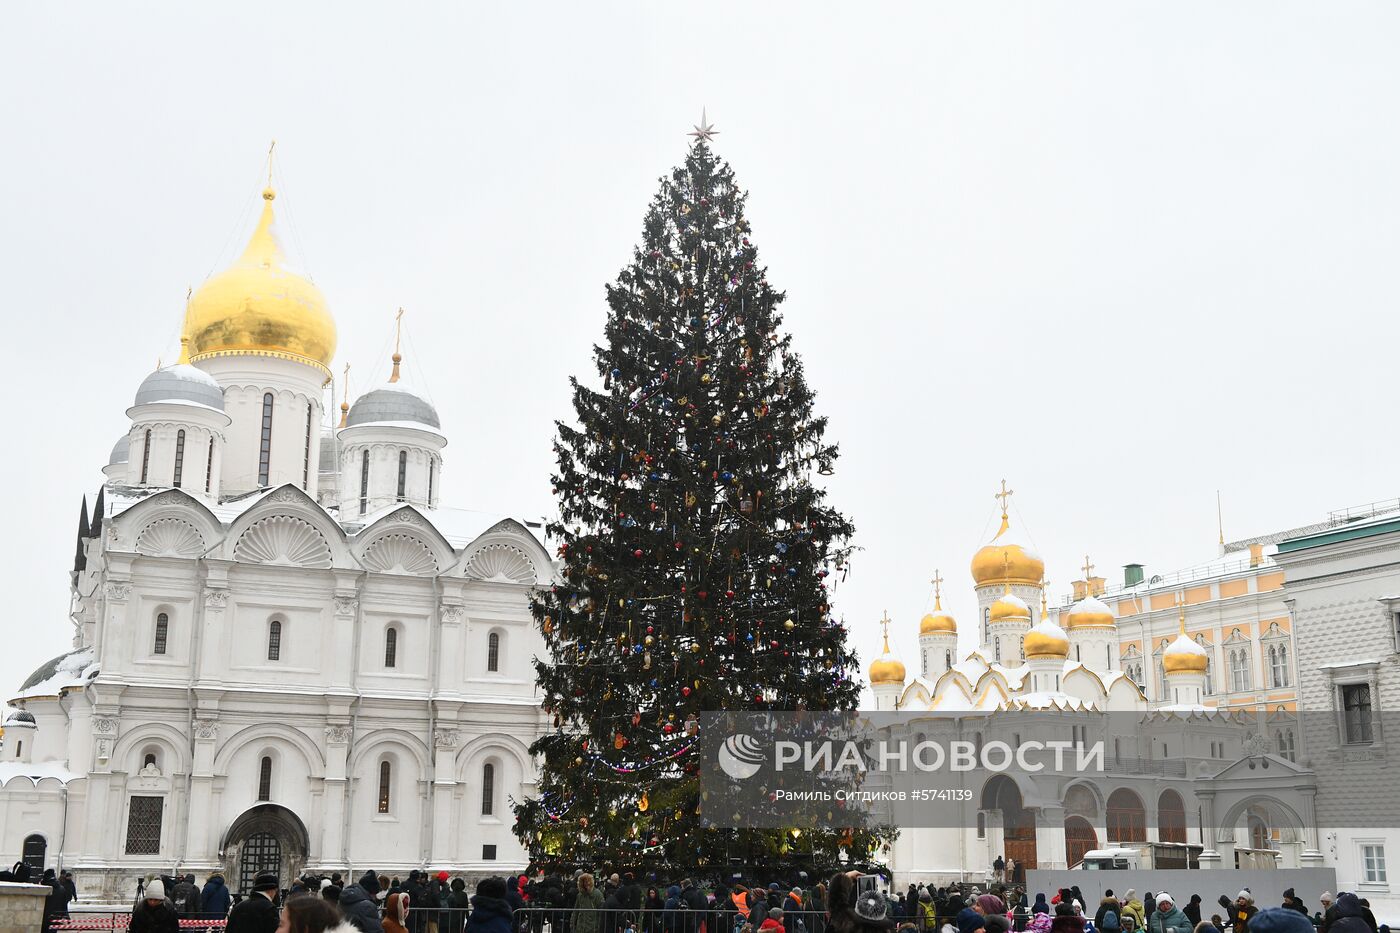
x=1280, y=920
x=258, y=913
x=1167, y=918
x=153, y=913
x=1242, y=911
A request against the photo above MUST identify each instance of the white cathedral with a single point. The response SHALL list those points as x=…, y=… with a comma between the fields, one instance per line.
x=287, y=655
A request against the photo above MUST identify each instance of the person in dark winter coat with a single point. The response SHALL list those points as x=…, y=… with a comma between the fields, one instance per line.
x=1040, y=906
x=1066, y=921
x=358, y=904
x=491, y=911
x=154, y=914
x=56, y=903
x=258, y=914
x=1193, y=910
x=1291, y=901
x=1109, y=905
x=1242, y=911
x=186, y=897
x=1281, y=920
x=214, y=900
x=458, y=904
x=1347, y=916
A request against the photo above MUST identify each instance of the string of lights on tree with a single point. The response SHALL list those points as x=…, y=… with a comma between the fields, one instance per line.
x=697, y=554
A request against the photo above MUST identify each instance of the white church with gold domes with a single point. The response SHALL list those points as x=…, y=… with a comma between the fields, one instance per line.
x=1174, y=744
x=287, y=653
x=1027, y=656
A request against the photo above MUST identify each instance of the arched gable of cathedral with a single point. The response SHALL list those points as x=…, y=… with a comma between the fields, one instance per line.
x=481, y=747
x=169, y=524
x=373, y=744
x=287, y=527
x=915, y=694
x=1084, y=684
x=260, y=734
x=505, y=553
x=127, y=753
x=1123, y=693
x=403, y=542
x=990, y=690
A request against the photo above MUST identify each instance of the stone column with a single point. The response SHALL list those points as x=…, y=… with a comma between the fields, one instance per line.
x=337, y=788
x=1209, y=857
x=340, y=638
x=1311, y=856
x=213, y=645
x=451, y=624
x=445, y=741
x=1050, y=848
x=200, y=830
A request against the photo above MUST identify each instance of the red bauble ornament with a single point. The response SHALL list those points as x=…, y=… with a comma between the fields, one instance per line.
x=637, y=552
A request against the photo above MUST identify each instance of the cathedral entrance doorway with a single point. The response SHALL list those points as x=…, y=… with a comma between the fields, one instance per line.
x=266, y=838
x=1079, y=838
x=1018, y=823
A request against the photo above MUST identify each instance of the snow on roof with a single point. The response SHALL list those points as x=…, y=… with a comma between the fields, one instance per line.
x=63, y=672
x=459, y=526
x=1047, y=699
x=1185, y=644
x=37, y=771
x=1091, y=604
x=1230, y=562
x=1011, y=599
x=1012, y=675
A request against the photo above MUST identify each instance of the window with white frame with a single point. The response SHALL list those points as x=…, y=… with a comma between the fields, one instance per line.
x=143, y=823
x=265, y=778
x=488, y=789
x=391, y=646
x=162, y=639
x=274, y=640
x=1373, y=863
x=493, y=652
x=386, y=775
x=1356, y=714
x=1239, y=669
x=1278, y=665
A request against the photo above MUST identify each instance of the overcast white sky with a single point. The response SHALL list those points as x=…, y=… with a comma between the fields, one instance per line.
x=1122, y=254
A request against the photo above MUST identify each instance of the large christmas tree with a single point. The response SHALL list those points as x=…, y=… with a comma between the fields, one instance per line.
x=697, y=552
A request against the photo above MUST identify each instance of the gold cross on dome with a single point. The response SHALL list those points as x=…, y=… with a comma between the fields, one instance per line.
x=937, y=582
x=1005, y=496
x=885, y=622
x=1088, y=568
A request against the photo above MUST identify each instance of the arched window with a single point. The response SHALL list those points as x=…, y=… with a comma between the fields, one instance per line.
x=391, y=647
x=364, y=480
x=274, y=640
x=265, y=450
x=1171, y=817
x=1127, y=818
x=981, y=825
x=1239, y=670
x=488, y=788
x=493, y=651
x=385, y=778
x=35, y=849
x=149, y=760
x=146, y=457
x=209, y=467
x=403, y=473
x=265, y=778
x=947, y=659
x=1278, y=665
x=179, y=458
x=306, y=454
x=162, y=633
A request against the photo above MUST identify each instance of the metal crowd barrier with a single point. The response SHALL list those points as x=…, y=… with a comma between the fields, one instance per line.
x=716, y=918
x=119, y=921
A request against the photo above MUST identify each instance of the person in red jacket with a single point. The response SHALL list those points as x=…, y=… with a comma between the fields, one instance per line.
x=774, y=922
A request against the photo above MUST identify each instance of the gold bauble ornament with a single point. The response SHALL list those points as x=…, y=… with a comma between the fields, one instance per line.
x=644, y=803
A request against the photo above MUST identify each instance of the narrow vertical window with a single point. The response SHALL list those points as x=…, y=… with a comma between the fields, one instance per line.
x=162, y=633
x=493, y=651
x=391, y=646
x=431, y=467
x=146, y=457
x=265, y=451
x=265, y=779
x=403, y=473
x=179, y=458
x=364, y=480
x=488, y=788
x=274, y=640
x=384, y=776
x=306, y=455
x=1356, y=712
x=209, y=467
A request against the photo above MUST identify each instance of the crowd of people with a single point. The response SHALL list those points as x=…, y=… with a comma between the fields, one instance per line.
x=554, y=902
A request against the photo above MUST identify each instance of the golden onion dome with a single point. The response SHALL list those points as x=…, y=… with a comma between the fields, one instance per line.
x=1090, y=612
x=938, y=622
x=256, y=307
x=1006, y=559
x=1046, y=640
x=1009, y=608
x=1184, y=656
x=886, y=669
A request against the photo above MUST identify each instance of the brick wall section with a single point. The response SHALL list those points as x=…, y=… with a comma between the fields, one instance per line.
x=21, y=907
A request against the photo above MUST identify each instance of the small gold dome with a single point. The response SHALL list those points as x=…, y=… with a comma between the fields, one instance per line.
x=1090, y=612
x=256, y=307
x=938, y=622
x=1046, y=640
x=1006, y=560
x=886, y=669
x=1184, y=656
x=1009, y=608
